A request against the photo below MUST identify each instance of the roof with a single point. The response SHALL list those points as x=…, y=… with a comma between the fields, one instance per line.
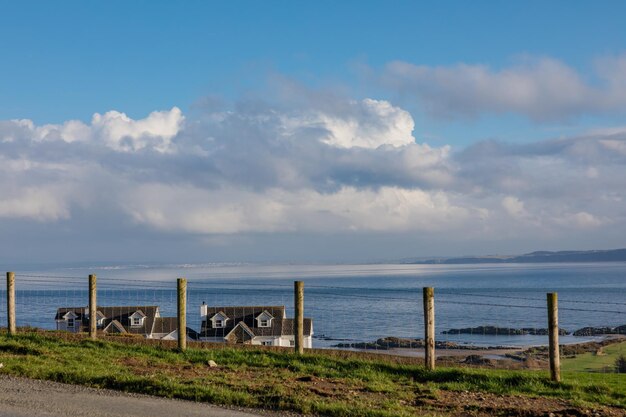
x=115, y=327
x=280, y=325
x=119, y=313
x=165, y=325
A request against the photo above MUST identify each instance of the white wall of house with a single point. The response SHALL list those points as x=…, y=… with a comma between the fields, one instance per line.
x=283, y=341
x=62, y=325
x=69, y=318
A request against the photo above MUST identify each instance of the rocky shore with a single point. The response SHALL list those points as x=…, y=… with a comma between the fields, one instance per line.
x=599, y=331
x=505, y=331
x=508, y=331
x=386, y=343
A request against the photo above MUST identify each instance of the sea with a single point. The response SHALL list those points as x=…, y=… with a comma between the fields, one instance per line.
x=350, y=303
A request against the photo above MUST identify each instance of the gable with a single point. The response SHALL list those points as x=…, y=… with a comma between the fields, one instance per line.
x=220, y=315
x=239, y=334
x=70, y=315
x=137, y=315
x=114, y=327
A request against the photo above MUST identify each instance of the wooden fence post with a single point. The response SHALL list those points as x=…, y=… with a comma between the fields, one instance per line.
x=182, y=313
x=429, y=328
x=11, y=303
x=553, y=336
x=299, y=319
x=93, y=319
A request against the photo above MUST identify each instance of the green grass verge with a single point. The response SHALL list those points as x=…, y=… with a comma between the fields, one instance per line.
x=315, y=383
x=592, y=362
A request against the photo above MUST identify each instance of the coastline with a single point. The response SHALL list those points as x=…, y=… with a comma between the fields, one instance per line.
x=531, y=356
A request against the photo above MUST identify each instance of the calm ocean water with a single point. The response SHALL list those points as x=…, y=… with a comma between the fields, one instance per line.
x=352, y=302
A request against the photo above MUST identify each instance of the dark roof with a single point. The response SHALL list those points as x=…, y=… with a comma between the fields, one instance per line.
x=120, y=313
x=289, y=326
x=191, y=333
x=165, y=325
x=247, y=314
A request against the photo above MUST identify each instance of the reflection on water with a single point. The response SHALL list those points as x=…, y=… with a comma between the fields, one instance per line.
x=354, y=302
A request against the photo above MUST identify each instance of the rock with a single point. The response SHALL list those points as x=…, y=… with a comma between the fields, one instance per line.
x=594, y=331
x=1, y=365
x=212, y=364
x=504, y=331
x=620, y=329
x=477, y=360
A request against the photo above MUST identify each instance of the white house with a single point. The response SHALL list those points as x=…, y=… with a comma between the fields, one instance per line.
x=140, y=320
x=256, y=325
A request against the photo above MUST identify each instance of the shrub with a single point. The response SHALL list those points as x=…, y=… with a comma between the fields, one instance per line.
x=620, y=365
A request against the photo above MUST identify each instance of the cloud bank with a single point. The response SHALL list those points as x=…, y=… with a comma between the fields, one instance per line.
x=542, y=89
x=340, y=167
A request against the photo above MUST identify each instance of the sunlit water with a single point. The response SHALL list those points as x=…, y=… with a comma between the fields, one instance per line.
x=353, y=302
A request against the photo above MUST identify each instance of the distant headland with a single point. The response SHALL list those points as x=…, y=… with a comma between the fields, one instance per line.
x=613, y=255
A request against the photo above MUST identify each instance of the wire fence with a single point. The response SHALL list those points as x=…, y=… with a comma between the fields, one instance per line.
x=493, y=327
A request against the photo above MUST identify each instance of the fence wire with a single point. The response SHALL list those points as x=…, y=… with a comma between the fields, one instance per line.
x=493, y=327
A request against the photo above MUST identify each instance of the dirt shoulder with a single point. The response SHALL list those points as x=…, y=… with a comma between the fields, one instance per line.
x=328, y=383
x=21, y=397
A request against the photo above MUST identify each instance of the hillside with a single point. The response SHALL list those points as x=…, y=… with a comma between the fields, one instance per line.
x=319, y=383
x=613, y=255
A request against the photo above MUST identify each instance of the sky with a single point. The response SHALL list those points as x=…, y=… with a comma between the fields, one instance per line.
x=309, y=131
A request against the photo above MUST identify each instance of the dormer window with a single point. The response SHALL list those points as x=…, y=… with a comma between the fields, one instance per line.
x=218, y=321
x=70, y=320
x=136, y=319
x=264, y=319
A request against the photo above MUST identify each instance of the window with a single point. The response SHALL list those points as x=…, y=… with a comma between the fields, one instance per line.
x=292, y=343
x=219, y=323
x=136, y=321
x=264, y=323
x=267, y=343
x=70, y=323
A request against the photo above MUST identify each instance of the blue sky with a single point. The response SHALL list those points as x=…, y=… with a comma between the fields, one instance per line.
x=138, y=56
x=432, y=90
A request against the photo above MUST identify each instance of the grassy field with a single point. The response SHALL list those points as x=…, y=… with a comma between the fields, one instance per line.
x=339, y=384
x=592, y=362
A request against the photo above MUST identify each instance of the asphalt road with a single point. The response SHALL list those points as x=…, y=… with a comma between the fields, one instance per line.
x=20, y=397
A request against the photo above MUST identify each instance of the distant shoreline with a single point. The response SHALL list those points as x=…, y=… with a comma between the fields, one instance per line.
x=538, y=257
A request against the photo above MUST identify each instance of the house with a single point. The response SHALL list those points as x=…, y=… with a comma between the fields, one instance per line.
x=140, y=320
x=255, y=325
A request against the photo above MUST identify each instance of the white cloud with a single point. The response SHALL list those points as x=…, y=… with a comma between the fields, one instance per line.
x=230, y=210
x=366, y=124
x=581, y=220
x=114, y=129
x=347, y=167
x=539, y=88
x=123, y=133
x=37, y=203
x=514, y=207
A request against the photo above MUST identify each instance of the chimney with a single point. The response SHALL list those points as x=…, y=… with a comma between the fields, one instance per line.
x=203, y=310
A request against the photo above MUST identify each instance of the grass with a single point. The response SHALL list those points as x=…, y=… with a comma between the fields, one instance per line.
x=340, y=385
x=592, y=362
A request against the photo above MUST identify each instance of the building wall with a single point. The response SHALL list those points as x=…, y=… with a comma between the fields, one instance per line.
x=284, y=341
x=62, y=325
